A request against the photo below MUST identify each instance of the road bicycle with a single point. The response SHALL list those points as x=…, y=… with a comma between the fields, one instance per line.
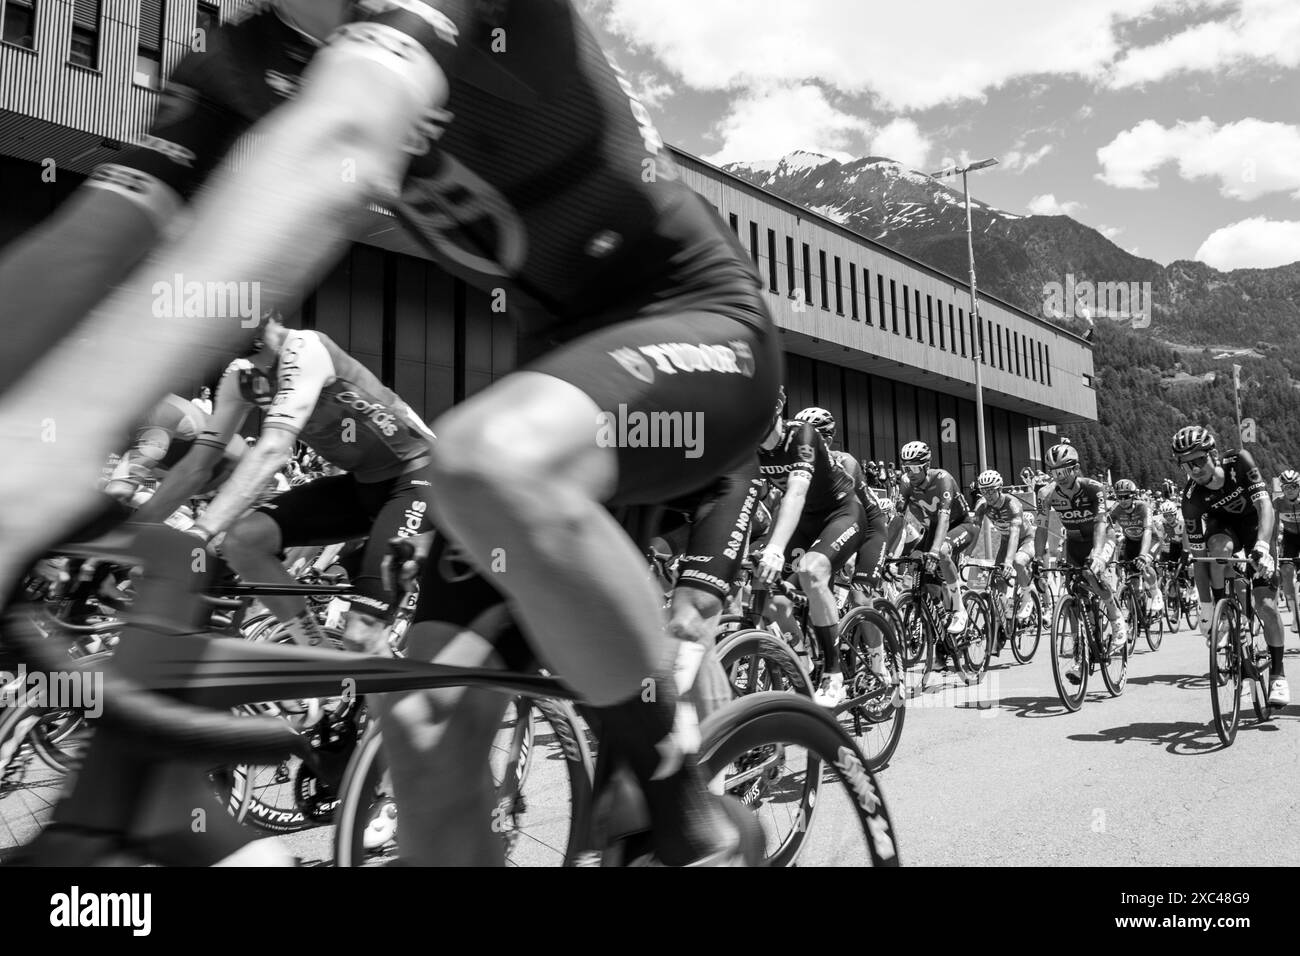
x=1136, y=608
x=1180, y=595
x=165, y=726
x=1011, y=624
x=1237, y=654
x=925, y=622
x=1080, y=633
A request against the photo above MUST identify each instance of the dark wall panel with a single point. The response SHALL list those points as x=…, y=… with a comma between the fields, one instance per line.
x=949, y=452
x=884, y=441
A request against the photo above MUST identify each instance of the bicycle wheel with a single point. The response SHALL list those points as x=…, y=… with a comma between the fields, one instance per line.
x=875, y=709
x=1030, y=631
x=548, y=825
x=1191, y=604
x=1173, y=602
x=1069, y=653
x=917, y=642
x=757, y=660
x=1155, y=629
x=780, y=755
x=1260, y=678
x=1225, y=670
x=39, y=746
x=976, y=641
x=1114, y=665
x=1131, y=602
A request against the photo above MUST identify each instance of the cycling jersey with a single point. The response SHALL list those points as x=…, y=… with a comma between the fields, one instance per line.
x=1288, y=514
x=542, y=175
x=851, y=467
x=803, y=451
x=1077, y=510
x=333, y=403
x=935, y=495
x=1229, y=509
x=1131, y=520
x=1007, y=510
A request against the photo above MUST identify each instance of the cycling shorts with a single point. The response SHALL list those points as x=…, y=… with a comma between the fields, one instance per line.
x=871, y=556
x=712, y=531
x=1290, y=544
x=959, y=538
x=339, y=507
x=835, y=534
x=1025, y=547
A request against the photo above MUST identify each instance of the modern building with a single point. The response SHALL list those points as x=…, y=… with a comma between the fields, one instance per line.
x=883, y=341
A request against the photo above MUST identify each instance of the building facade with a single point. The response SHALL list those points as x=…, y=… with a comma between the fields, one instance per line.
x=884, y=342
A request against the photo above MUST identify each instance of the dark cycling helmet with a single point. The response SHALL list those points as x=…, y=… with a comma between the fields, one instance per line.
x=988, y=480
x=1124, y=488
x=819, y=419
x=1062, y=455
x=915, y=453
x=1192, y=438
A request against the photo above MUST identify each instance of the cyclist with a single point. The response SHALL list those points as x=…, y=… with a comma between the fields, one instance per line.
x=1226, y=508
x=631, y=297
x=931, y=496
x=1077, y=501
x=1131, y=522
x=820, y=523
x=870, y=558
x=1287, y=508
x=1007, y=515
x=309, y=388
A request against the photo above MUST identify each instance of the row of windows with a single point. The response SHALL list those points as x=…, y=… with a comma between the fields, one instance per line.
x=926, y=322
x=18, y=28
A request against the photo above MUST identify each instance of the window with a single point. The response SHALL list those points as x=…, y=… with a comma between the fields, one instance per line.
x=1018, y=349
x=907, y=315
x=771, y=259
x=148, y=55
x=807, y=274
x=1087, y=380
x=734, y=222
x=880, y=297
x=839, y=288
x=952, y=333
x=823, y=279
x=929, y=320
x=1047, y=363
x=789, y=266
x=853, y=289
x=19, y=27
x=961, y=324
x=85, y=34
x=998, y=329
x=893, y=304
x=207, y=19
x=753, y=240
x=920, y=334
x=1030, y=367
x=942, y=343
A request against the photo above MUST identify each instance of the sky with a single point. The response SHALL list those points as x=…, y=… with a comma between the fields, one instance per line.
x=1171, y=127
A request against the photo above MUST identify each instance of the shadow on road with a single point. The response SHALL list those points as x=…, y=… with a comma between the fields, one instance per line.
x=1181, y=681
x=1021, y=706
x=1183, y=739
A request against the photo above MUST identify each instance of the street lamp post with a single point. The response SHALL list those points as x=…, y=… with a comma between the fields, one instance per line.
x=977, y=323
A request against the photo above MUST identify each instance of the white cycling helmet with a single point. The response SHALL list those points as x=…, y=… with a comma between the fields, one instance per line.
x=989, y=480
x=916, y=454
x=819, y=419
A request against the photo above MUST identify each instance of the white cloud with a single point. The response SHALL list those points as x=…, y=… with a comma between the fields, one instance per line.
x=911, y=57
x=1046, y=205
x=651, y=90
x=1255, y=243
x=768, y=123
x=1253, y=31
x=1110, y=232
x=1250, y=158
x=1018, y=160
x=902, y=139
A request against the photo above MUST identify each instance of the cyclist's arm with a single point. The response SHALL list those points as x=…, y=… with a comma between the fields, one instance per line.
x=1013, y=536
x=791, y=510
x=941, y=520
x=191, y=474
x=1267, y=516
x=1040, y=535
x=1148, y=533
x=139, y=463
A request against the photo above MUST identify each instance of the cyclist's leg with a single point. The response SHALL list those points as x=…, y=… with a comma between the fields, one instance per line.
x=710, y=562
x=867, y=570
x=323, y=511
x=838, y=540
x=401, y=508
x=523, y=470
x=1290, y=550
x=955, y=543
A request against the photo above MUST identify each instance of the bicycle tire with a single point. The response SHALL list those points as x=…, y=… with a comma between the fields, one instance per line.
x=756, y=660
x=1173, y=601
x=360, y=789
x=1022, y=647
x=1069, y=646
x=1155, y=630
x=977, y=636
x=1114, y=668
x=1190, y=602
x=1225, y=671
x=884, y=708
x=1259, y=688
x=763, y=721
x=918, y=636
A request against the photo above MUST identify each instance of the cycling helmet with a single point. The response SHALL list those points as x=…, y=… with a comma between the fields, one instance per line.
x=1192, y=438
x=916, y=453
x=989, y=480
x=819, y=419
x=1168, y=508
x=1290, y=477
x=1062, y=455
x=1124, y=488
